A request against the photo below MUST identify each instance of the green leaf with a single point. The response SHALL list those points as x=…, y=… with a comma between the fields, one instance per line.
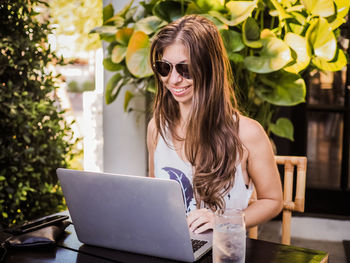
x=26, y=138
x=283, y=128
x=282, y=88
x=282, y=13
x=116, y=20
x=128, y=96
x=236, y=57
x=109, y=65
x=149, y=24
x=298, y=44
x=22, y=62
x=337, y=22
x=342, y=7
x=220, y=25
x=232, y=40
x=123, y=35
x=335, y=65
x=342, y=10
x=296, y=28
x=207, y=5
x=126, y=9
x=151, y=86
x=104, y=30
x=251, y=33
x=321, y=40
x=107, y=38
x=168, y=10
x=113, y=87
x=193, y=8
x=118, y=53
x=238, y=10
x=2, y=178
x=108, y=12
x=286, y=13
x=323, y=8
x=300, y=17
x=137, y=55
x=266, y=33
x=138, y=12
x=274, y=55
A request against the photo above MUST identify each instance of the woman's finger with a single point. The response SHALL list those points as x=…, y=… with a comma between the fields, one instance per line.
x=193, y=216
x=197, y=223
x=204, y=228
x=201, y=218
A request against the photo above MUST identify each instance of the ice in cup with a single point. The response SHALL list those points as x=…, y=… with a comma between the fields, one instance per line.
x=229, y=237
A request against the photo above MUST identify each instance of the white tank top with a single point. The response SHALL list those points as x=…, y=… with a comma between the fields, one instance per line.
x=169, y=165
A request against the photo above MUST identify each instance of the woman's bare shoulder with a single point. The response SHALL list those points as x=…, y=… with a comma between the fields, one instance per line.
x=152, y=125
x=250, y=131
x=152, y=134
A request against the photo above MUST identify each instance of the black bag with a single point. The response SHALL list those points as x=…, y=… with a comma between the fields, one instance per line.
x=47, y=235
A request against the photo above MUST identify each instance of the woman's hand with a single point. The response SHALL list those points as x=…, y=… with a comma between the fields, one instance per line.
x=200, y=220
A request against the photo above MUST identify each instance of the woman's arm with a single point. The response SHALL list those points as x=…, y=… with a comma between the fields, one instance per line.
x=262, y=169
x=151, y=145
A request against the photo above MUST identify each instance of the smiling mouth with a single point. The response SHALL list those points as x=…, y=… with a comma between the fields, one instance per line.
x=180, y=91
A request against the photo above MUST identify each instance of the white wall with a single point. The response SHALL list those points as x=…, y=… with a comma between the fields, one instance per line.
x=124, y=134
x=93, y=119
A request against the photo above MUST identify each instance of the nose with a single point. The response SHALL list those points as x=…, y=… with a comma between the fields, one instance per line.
x=175, y=77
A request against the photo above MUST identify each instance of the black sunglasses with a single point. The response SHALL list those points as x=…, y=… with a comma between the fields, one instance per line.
x=163, y=68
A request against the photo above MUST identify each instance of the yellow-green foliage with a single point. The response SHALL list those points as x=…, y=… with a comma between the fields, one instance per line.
x=78, y=17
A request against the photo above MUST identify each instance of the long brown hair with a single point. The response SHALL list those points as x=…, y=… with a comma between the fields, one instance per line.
x=212, y=144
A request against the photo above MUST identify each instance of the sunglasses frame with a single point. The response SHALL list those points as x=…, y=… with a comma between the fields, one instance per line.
x=172, y=66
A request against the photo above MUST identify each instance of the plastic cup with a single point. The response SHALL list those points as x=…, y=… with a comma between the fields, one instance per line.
x=229, y=236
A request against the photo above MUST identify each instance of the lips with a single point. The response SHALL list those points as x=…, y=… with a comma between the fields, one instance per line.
x=180, y=91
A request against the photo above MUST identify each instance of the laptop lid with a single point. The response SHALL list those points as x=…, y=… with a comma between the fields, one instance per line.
x=131, y=213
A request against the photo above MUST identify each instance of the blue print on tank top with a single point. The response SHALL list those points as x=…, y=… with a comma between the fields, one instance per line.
x=187, y=190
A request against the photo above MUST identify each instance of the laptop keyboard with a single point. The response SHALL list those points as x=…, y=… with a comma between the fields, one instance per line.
x=197, y=244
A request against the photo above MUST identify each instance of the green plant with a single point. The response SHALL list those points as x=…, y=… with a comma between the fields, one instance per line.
x=75, y=87
x=35, y=139
x=271, y=44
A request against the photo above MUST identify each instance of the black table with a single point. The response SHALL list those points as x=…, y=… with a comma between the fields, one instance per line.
x=70, y=249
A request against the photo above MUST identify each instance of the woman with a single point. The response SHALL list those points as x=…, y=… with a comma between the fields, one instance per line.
x=198, y=137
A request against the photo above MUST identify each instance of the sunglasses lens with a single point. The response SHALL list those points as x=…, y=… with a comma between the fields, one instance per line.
x=162, y=68
x=182, y=69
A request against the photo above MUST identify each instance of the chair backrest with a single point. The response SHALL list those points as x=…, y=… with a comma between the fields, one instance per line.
x=290, y=204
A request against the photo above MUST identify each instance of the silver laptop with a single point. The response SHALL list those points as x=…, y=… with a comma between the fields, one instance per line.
x=131, y=213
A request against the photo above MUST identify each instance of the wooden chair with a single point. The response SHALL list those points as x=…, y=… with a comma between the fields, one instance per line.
x=289, y=205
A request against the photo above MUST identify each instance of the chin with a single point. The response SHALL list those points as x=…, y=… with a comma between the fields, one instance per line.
x=184, y=100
